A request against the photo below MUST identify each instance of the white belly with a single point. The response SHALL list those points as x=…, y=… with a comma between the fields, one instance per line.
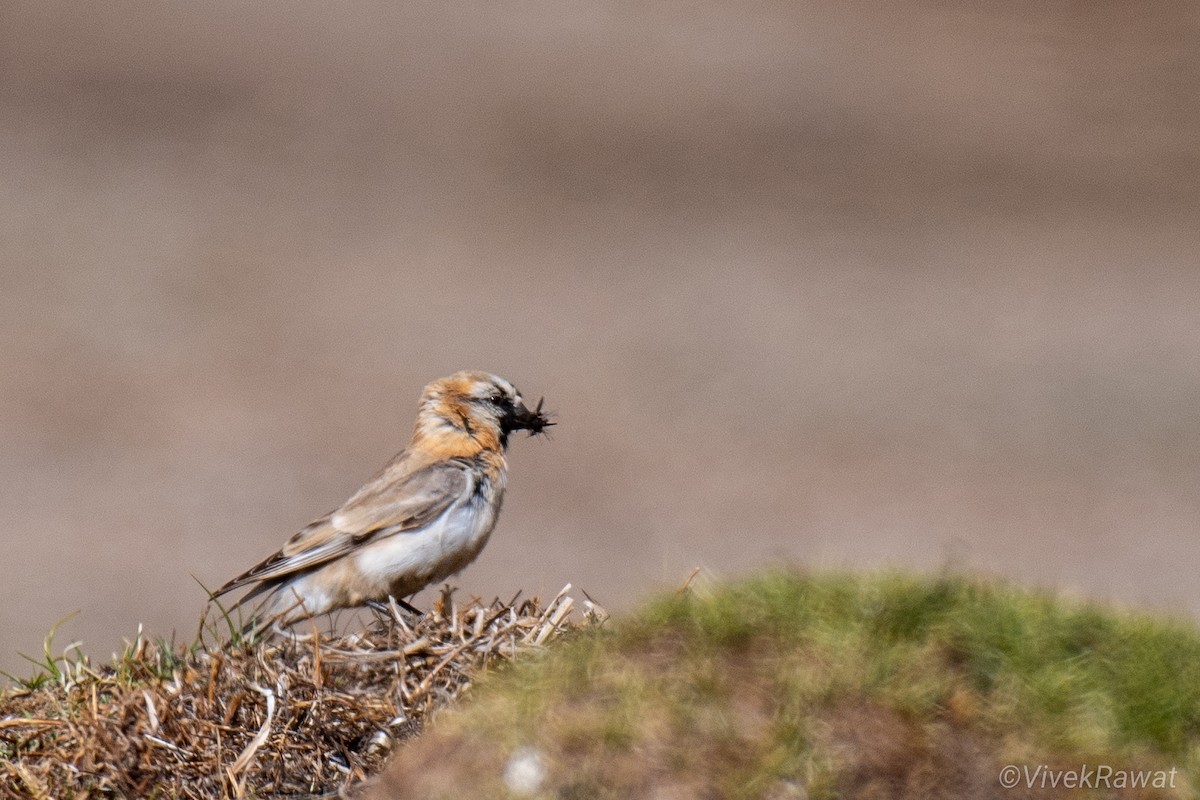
x=406, y=562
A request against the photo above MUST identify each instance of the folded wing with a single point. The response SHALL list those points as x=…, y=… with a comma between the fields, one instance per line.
x=386, y=506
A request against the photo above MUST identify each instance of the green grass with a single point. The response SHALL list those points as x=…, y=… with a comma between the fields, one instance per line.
x=771, y=682
x=1060, y=669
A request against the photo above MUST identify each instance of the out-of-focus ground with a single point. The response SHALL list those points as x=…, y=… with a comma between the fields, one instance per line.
x=849, y=284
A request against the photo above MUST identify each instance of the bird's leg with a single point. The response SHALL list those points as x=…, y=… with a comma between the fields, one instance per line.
x=407, y=606
x=384, y=608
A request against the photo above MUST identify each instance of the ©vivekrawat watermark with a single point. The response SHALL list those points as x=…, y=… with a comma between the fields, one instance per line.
x=1098, y=776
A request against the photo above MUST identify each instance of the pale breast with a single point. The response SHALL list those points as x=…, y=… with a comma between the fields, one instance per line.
x=404, y=563
x=467, y=528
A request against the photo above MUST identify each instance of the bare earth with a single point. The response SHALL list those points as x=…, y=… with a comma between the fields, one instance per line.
x=834, y=283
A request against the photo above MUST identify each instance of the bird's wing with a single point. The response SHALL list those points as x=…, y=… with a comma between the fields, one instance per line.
x=386, y=505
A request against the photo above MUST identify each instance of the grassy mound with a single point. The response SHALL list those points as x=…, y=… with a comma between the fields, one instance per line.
x=781, y=686
x=286, y=717
x=790, y=686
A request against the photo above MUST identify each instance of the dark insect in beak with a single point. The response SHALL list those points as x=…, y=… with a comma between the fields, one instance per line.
x=539, y=420
x=522, y=419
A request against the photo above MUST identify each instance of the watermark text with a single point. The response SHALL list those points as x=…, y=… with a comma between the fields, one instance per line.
x=1086, y=776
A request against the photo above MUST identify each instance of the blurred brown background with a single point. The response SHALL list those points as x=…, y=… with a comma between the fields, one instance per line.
x=835, y=283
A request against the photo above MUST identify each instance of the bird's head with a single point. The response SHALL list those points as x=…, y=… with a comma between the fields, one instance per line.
x=479, y=404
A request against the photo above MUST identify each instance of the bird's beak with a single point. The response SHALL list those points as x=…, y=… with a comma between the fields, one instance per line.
x=521, y=418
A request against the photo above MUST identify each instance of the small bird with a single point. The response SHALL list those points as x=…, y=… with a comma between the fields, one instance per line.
x=424, y=517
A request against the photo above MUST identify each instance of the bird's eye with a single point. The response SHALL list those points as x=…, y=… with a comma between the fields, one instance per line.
x=496, y=399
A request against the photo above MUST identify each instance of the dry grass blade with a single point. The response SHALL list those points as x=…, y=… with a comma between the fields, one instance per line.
x=247, y=755
x=289, y=716
x=13, y=723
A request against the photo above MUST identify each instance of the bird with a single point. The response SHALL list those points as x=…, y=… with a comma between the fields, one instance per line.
x=422, y=518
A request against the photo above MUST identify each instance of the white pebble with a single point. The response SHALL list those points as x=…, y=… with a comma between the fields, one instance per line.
x=525, y=772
